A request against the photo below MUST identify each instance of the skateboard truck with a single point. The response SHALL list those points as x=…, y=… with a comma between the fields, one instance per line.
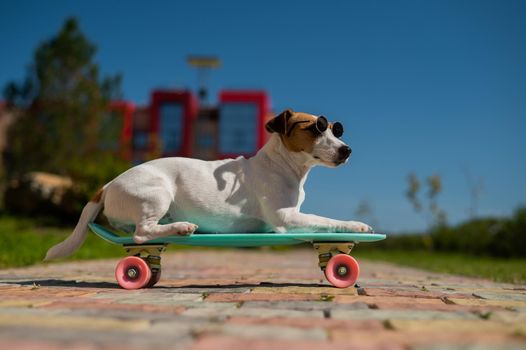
x=148, y=252
x=327, y=250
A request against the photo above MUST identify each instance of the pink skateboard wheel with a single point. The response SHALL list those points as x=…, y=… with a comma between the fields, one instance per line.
x=156, y=276
x=342, y=271
x=133, y=272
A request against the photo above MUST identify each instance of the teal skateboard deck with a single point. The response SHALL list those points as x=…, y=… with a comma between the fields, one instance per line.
x=142, y=268
x=240, y=239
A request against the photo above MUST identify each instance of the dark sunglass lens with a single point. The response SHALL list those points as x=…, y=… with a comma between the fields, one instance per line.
x=322, y=124
x=337, y=129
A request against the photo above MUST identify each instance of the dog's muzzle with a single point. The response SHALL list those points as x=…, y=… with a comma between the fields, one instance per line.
x=343, y=153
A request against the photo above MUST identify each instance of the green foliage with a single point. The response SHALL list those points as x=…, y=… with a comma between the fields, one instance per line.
x=408, y=242
x=510, y=238
x=503, y=237
x=495, y=237
x=475, y=236
x=498, y=269
x=61, y=105
x=25, y=242
x=89, y=177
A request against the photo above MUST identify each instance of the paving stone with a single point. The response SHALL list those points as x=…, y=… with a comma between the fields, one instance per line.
x=468, y=289
x=405, y=303
x=306, y=305
x=128, y=307
x=120, y=311
x=232, y=342
x=23, y=303
x=251, y=312
x=305, y=290
x=241, y=297
x=99, y=323
x=204, y=290
x=108, y=339
x=508, y=316
x=139, y=297
x=308, y=323
x=255, y=299
x=499, y=295
x=455, y=325
x=267, y=331
x=417, y=315
x=378, y=339
x=18, y=344
x=516, y=346
x=38, y=292
x=486, y=302
x=414, y=292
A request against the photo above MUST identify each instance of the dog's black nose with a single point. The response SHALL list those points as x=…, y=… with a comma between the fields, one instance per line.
x=344, y=152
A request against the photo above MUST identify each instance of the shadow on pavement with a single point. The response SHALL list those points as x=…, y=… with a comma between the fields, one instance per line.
x=110, y=285
x=65, y=283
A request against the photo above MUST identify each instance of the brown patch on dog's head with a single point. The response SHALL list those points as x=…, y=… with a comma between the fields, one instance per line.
x=294, y=129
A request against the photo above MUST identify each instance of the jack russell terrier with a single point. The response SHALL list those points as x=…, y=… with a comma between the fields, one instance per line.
x=175, y=196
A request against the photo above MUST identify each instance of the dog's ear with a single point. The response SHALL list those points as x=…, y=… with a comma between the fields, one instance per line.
x=279, y=123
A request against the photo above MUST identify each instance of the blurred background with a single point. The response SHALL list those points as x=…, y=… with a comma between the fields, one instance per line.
x=432, y=96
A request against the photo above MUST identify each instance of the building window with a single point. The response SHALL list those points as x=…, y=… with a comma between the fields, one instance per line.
x=238, y=128
x=140, y=140
x=171, y=126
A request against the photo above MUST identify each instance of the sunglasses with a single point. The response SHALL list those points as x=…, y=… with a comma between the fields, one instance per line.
x=322, y=124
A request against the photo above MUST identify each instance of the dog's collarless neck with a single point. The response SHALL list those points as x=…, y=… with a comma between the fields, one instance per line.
x=277, y=154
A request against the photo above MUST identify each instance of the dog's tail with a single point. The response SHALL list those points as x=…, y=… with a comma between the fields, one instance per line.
x=75, y=240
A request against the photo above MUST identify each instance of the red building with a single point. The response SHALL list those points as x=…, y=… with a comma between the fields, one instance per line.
x=175, y=125
x=116, y=131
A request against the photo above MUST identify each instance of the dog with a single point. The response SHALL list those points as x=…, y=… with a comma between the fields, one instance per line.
x=175, y=196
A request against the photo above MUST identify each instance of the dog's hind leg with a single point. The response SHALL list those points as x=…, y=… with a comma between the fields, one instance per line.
x=151, y=229
x=142, y=200
x=146, y=212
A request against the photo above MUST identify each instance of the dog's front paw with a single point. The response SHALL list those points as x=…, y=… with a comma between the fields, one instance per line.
x=357, y=226
x=186, y=228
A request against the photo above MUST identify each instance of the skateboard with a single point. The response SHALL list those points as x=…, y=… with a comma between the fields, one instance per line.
x=142, y=267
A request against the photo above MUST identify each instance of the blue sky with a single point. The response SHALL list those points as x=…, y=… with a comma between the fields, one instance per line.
x=434, y=87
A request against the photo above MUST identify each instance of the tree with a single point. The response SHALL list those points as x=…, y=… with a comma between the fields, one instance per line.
x=62, y=100
x=476, y=189
x=435, y=215
x=412, y=191
x=60, y=106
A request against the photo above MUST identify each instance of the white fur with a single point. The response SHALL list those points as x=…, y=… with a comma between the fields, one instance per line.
x=260, y=194
x=75, y=240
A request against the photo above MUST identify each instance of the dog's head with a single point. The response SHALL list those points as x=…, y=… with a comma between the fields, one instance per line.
x=315, y=136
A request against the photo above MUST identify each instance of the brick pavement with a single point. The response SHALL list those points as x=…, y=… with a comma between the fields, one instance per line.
x=253, y=299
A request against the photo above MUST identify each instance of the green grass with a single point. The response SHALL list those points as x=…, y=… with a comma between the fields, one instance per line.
x=25, y=242
x=511, y=270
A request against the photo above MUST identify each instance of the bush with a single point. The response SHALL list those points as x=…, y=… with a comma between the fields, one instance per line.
x=62, y=198
x=405, y=242
x=474, y=236
x=503, y=237
x=510, y=240
x=88, y=177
